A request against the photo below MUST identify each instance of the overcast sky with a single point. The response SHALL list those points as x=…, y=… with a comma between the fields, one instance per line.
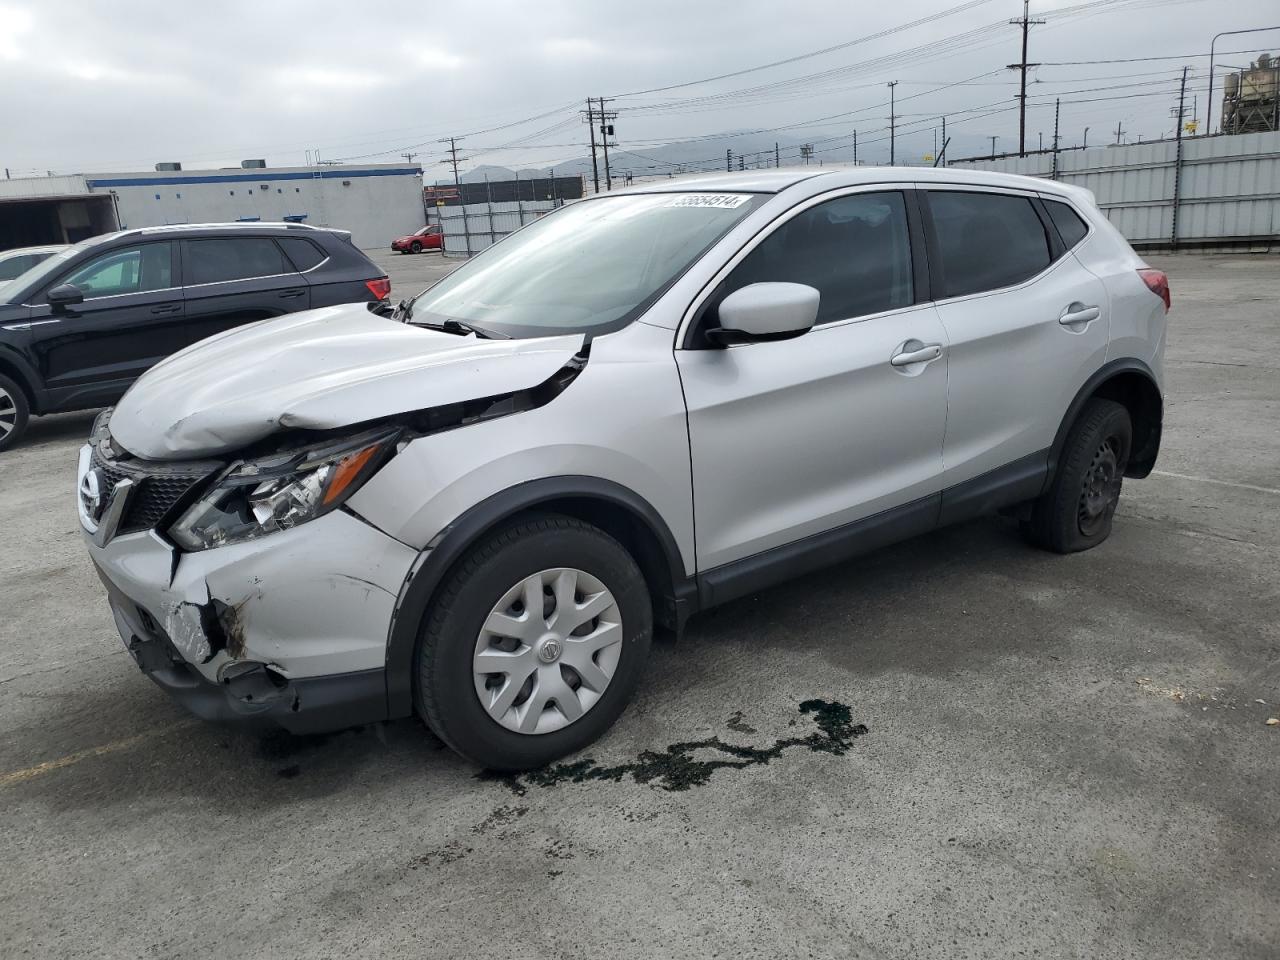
x=97, y=86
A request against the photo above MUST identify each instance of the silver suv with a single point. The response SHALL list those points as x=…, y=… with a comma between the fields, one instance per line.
x=642, y=405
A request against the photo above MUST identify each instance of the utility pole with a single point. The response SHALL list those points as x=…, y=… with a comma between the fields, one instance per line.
x=1026, y=23
x=993, y=147
x=892, y=155
x=728, y=160
x=1041, y=136
x=409, y=156
x=606, y=131
x=453, y=159
x=1177, y=165
x=855, y=148
x=1057, y=105
x=944, y=143
x=777, y=156
x=591, y=125
x=457, y=184
x=1119, y=133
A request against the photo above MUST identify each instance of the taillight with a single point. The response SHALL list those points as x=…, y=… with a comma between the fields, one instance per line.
x=1158, y=283
x=381, y=288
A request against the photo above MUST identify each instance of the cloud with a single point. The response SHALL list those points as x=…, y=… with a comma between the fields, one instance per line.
x=17, y=24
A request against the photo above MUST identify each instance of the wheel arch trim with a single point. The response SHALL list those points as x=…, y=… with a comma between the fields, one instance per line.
x=14, y=366
x=1103, y=375
x=451, y=544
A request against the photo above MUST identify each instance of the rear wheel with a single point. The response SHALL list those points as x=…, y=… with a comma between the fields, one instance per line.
x=1076, y=511
x=14, y=413
x=534, y=645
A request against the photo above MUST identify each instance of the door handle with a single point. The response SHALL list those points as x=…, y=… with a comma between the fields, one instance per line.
x=166, y=308
x=932, y=352
x=1078, y=313
x=292, y=294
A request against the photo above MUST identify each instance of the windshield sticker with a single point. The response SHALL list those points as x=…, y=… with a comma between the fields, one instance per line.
x=726, y=201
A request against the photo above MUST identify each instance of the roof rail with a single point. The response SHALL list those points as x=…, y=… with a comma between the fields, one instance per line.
x=234, y=225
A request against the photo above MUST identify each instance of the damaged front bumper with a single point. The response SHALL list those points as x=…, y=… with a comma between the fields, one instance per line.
x=289, y=628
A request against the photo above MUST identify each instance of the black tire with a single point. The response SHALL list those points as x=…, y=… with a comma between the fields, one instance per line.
x=446, y=696
x=416, y=247
x=15, y=413
x=1075, y=513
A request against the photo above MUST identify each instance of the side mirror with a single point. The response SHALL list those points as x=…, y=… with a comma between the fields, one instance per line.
x=766, y=311
x=63, y=295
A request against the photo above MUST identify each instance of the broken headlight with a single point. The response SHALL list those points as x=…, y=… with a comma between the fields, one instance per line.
x=276, y=492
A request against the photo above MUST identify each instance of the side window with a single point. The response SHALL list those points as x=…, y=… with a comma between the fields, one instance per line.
x=128, y=270
x=233, y=258
x=1070, y=227
x=986, y=240
x=303, y=253
x=16, y=266
x=854, y=250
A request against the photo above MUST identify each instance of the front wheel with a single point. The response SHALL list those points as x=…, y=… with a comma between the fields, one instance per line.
x=1076, y=511
x=14, y=413
x=534, y=645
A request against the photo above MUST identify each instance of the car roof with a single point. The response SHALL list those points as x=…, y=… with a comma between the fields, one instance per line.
x=842, y=175
x=43, y=248
x=205, y=229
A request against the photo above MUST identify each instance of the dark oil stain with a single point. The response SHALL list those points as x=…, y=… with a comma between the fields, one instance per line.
x=289, y=772
x=499, y=818
x=451, y=852
x=559, y=850
x=739, y=723
x=552, y=874
x=676, y=769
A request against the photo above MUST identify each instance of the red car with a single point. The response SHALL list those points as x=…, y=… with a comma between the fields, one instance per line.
x=428, y=238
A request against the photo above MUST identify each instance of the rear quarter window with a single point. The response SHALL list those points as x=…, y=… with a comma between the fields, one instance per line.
x=986, y=240
x=1071, y=228
x=303, y=253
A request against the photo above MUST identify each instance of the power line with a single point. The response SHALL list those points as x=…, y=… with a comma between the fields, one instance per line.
x=960, y=8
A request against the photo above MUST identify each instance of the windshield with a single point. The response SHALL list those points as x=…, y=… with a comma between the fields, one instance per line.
x=590, y=267
x=11, y=288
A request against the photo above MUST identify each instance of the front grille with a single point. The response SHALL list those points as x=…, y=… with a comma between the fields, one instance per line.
x=157, y=487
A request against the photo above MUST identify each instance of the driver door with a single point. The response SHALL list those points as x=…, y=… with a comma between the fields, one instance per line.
x=131, y=318
x=803, y=438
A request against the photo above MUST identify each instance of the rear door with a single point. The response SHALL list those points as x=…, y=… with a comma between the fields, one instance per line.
x=799, y=437
x=1026, y=322
x=131, y=318
x=230, y=281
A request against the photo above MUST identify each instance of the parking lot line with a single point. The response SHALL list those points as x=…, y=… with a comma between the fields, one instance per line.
x=1223, y=483
x=40, y=769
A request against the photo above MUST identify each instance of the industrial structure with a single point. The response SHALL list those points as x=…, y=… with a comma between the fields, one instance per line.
x=375, y=202
x=1251, y=98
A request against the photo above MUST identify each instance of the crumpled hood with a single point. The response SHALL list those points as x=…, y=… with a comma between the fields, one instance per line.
x=317, y=369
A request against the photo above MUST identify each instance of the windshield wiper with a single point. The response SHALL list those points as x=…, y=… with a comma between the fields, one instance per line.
x=463, y=328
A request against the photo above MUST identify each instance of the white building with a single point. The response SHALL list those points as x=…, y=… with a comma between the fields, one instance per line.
x=376, y=202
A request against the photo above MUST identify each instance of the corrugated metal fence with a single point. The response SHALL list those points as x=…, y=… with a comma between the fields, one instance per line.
x=1216, y=189
x=469, y=228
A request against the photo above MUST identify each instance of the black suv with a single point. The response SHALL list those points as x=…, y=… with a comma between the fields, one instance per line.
x=79, y=328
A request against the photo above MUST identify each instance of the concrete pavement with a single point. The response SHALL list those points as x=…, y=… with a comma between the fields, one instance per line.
x=1062, y=756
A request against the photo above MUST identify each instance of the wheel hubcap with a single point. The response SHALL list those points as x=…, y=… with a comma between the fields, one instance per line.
x=547, y=651
x=1101, y=491
x=8, y=413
